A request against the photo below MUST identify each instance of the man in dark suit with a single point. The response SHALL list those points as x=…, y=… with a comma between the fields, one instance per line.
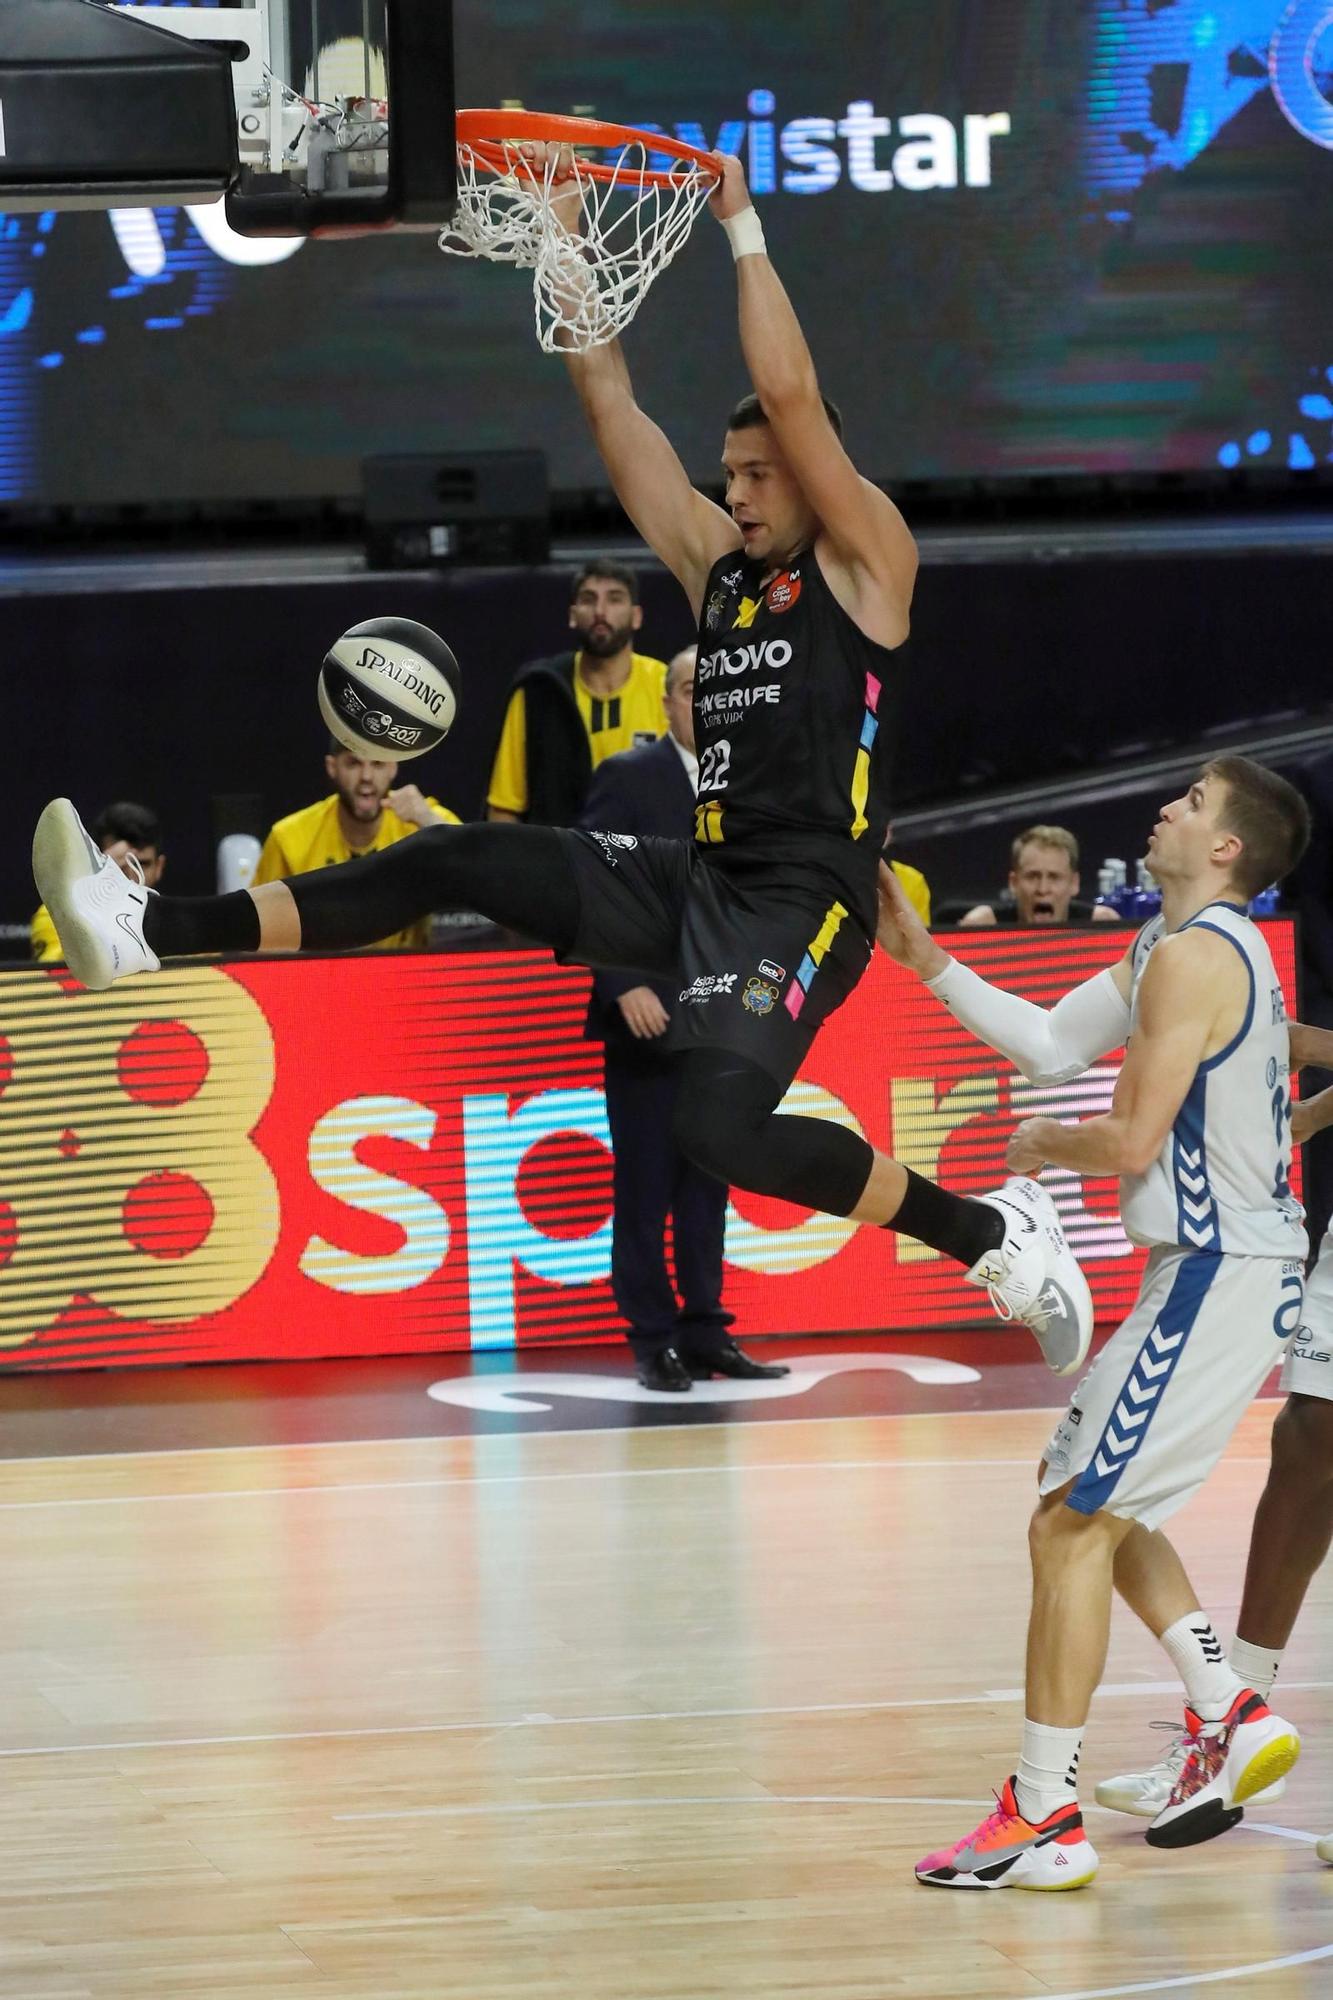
x=676, y=1343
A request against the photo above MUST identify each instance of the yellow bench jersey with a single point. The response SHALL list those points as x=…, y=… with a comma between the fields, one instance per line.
x=313, y=838
x=612, y=723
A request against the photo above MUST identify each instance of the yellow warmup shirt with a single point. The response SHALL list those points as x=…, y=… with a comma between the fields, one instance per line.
x=45, y=943
x=613, y=722
x=915, y=888
x=313, y=838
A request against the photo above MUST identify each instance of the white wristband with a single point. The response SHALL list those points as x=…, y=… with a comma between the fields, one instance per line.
x=745, y=233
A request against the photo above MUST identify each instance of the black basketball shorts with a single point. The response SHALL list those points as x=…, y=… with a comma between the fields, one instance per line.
x=762, y=960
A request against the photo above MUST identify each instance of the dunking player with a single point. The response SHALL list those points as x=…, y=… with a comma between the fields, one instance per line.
x=802, y=591
x=1199, y=1133
x=1293, y=1524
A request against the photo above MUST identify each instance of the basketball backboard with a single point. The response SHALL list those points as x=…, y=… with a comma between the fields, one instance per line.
x=307, y=116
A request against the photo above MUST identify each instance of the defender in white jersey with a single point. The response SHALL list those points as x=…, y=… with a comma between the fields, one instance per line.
x=1293, y=1524
x=1199, y=1135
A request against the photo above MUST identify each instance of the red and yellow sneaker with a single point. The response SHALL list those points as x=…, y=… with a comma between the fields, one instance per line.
x=1008, y=1852
x=1228, y=1762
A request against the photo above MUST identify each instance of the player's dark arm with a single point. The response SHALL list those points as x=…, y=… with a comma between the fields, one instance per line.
x=869, y=536
x=1189, y=986
x=1310, y=1115
x=1310, y=1045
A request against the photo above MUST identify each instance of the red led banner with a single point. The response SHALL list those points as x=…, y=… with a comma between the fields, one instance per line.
x=291, y=1158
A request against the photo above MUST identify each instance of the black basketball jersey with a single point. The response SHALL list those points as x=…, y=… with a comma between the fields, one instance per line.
x=793, y=713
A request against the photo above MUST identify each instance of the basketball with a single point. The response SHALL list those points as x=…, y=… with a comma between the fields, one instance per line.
x=389, y=689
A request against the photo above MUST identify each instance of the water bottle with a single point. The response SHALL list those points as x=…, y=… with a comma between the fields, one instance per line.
x=1149, y=896
x=1112, y=878
x=1266, y=903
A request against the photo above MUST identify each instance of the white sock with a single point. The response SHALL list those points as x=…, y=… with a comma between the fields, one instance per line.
x=1256, y=1666
x=1047, y=1769
x=1196, y=1651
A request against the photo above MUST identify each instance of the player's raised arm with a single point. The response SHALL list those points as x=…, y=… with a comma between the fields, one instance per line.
x=870, y=557
x=687, y=531
x=1045, y=1046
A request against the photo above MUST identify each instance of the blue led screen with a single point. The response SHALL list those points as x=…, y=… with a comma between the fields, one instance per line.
x=1071, y=236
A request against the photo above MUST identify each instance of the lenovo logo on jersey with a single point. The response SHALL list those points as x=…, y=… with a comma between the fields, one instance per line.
x=767, y=653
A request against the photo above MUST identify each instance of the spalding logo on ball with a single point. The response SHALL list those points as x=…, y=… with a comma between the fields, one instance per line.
x=389, y=689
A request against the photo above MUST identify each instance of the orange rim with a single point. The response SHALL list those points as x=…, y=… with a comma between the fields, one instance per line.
x=479, y=132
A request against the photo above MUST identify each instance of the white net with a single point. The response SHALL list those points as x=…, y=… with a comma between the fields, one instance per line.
x=587, y=280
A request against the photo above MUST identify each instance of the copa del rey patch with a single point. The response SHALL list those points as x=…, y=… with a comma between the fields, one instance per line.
x=784, y=590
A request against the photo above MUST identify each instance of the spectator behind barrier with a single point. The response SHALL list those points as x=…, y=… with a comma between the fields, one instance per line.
x=122, y=830
x=364, y=813
x=1043, y=885
x=567, y=714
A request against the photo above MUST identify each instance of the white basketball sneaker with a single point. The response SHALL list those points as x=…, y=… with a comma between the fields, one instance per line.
x=98, y=912
x=1145, y=1793
x=1227, y=1764
x=1034, y=1276
x=1324, y=1848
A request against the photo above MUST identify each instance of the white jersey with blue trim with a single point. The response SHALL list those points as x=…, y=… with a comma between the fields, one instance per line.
x=1222, y=1181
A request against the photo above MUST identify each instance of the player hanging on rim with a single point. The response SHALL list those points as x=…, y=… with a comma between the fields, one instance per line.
x=802, y=590
x=1199, y=1133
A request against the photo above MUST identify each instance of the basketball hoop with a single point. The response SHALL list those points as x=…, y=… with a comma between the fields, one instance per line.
x=587, y=286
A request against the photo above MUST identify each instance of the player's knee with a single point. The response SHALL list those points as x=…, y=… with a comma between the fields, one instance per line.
x=706, y=1132
x=1303, y=1439
x=1057, y=1531
x=723, y=1111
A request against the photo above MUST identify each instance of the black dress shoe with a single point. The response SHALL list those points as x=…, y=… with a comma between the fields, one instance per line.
x=665, y=1370
x=728, y=1359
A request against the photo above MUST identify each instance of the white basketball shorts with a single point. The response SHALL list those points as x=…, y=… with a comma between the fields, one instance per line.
x=1155, y=1412
x=1308, y=1370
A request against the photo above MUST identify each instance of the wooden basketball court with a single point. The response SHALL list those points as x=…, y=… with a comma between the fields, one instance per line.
x=611, y=1714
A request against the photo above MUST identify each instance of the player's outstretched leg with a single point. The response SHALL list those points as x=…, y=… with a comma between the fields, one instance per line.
x=98, y=912
x=1010, y=1242
x=110, y=927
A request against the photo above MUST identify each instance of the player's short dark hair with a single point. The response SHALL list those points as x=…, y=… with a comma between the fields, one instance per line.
x=1268, y=816
x=605, y=572
x=749, y=413
x=124, y=820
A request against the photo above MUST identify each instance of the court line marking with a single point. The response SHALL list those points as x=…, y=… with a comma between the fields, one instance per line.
x=727, y=1467
x=496, y=1725
x=1192, y=1979
x=517, y=1807
x=531, y=1807
x=534, y=1431
x=519, y=1479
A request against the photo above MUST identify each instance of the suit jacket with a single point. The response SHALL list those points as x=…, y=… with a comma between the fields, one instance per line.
x=644, y=791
